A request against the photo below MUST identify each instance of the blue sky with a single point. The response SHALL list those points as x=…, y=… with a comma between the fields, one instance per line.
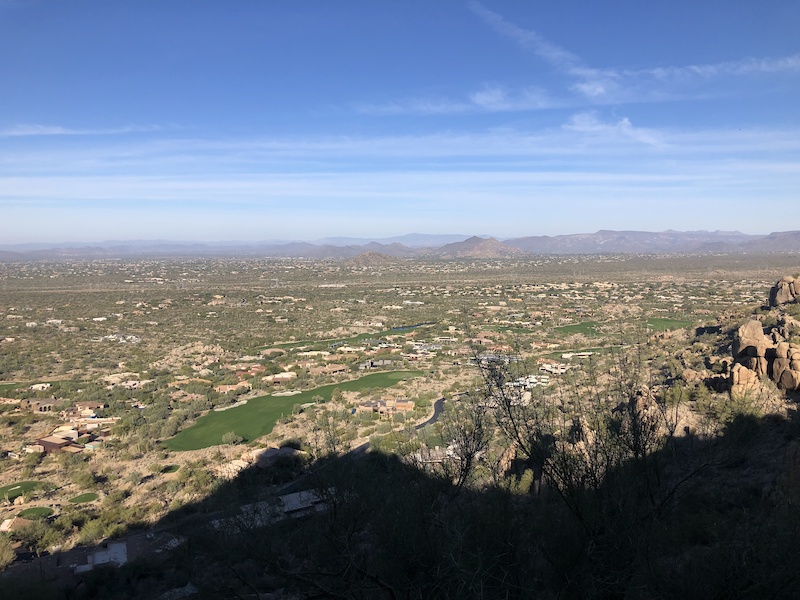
x=256, y=120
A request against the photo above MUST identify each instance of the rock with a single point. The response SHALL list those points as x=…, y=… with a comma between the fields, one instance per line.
x=690, y=376
x=750, y=363
x=762, y=367
x=788, y=325
x=742, y=375
x=790, y=380
x=750, y=340
x=743, y=380
x=783, y=292
x=757, y=356
x=779, y=365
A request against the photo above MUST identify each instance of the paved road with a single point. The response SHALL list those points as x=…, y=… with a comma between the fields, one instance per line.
x=438, y=408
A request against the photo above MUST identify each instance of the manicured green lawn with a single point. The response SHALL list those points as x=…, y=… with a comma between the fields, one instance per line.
x=36, y=512
x=659, y=324
x=17, y=489
x=5, y=387
x=586, y=328
x=258, y=416
x=83, y=498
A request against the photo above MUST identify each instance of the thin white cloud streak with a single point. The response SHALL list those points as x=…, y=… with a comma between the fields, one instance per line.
x=586, y=174
x=487, y=99
x=416, y=106
x=590, y=123
x=745, y=66
x=28, y=130
x=500, y=203
x=355, y=190
x=528, y=39
x=604, y=179
x=612, y=85
x=584, y=141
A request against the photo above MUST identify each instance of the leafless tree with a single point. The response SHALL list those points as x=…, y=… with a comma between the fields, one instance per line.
x=467, y=426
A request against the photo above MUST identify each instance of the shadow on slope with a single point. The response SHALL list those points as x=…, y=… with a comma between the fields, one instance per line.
x=694, y=520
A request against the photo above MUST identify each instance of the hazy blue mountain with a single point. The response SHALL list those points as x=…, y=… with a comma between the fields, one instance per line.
x=475, y=247
x=628, y=242
x=411, y=240
x=422, y=245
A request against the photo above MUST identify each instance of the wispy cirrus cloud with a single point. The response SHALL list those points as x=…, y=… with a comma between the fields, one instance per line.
x=35, y=129
x=590, y=123
x=608, y=85
x=416, y=106
x=528, y=39
x=585, y=138
x=497, y=98
x=489, y=98
x=745, y=66
x=591, y=168
x=584, y=84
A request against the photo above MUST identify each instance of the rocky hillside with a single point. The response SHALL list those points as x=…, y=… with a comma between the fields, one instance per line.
x=476, y=247
x=769, y=350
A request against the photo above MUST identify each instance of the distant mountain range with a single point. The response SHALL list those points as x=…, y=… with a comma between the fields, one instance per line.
x=442, y=247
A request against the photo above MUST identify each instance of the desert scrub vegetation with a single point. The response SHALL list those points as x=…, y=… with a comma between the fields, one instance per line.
x=589, y=487
x=604, y=500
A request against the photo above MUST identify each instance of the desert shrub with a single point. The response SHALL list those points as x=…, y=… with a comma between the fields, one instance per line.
x=232, y=438
x=7, y=554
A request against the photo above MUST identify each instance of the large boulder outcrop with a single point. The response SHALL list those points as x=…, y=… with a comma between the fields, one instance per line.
x=757, y=356
x=750, y=347
x=786, y=290
x=790, y=380
x=743, y=380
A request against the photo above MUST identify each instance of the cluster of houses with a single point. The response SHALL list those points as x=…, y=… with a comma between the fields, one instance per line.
x=386, y=408
x=83, y=430
x=234, y=387
x=530, y=381
x=553, y=367
x=384, y=363
x=280, y=378
x=421, y=350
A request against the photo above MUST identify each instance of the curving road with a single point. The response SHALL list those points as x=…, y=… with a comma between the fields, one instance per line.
x=438, y=408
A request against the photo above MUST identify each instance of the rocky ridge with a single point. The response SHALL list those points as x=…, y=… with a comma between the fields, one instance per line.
x=785, y=291
x=476, y=247
x=773, y=354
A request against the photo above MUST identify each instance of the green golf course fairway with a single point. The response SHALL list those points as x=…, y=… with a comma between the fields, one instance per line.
x=12, y=490
x=36, y=512
x=587, y=328
x=258, y=416
x=84, y=498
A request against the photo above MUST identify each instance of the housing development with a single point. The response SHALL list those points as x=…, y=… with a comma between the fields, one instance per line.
x=148, y=403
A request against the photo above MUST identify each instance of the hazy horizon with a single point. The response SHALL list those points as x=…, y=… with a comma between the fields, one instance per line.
x=411, y=240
